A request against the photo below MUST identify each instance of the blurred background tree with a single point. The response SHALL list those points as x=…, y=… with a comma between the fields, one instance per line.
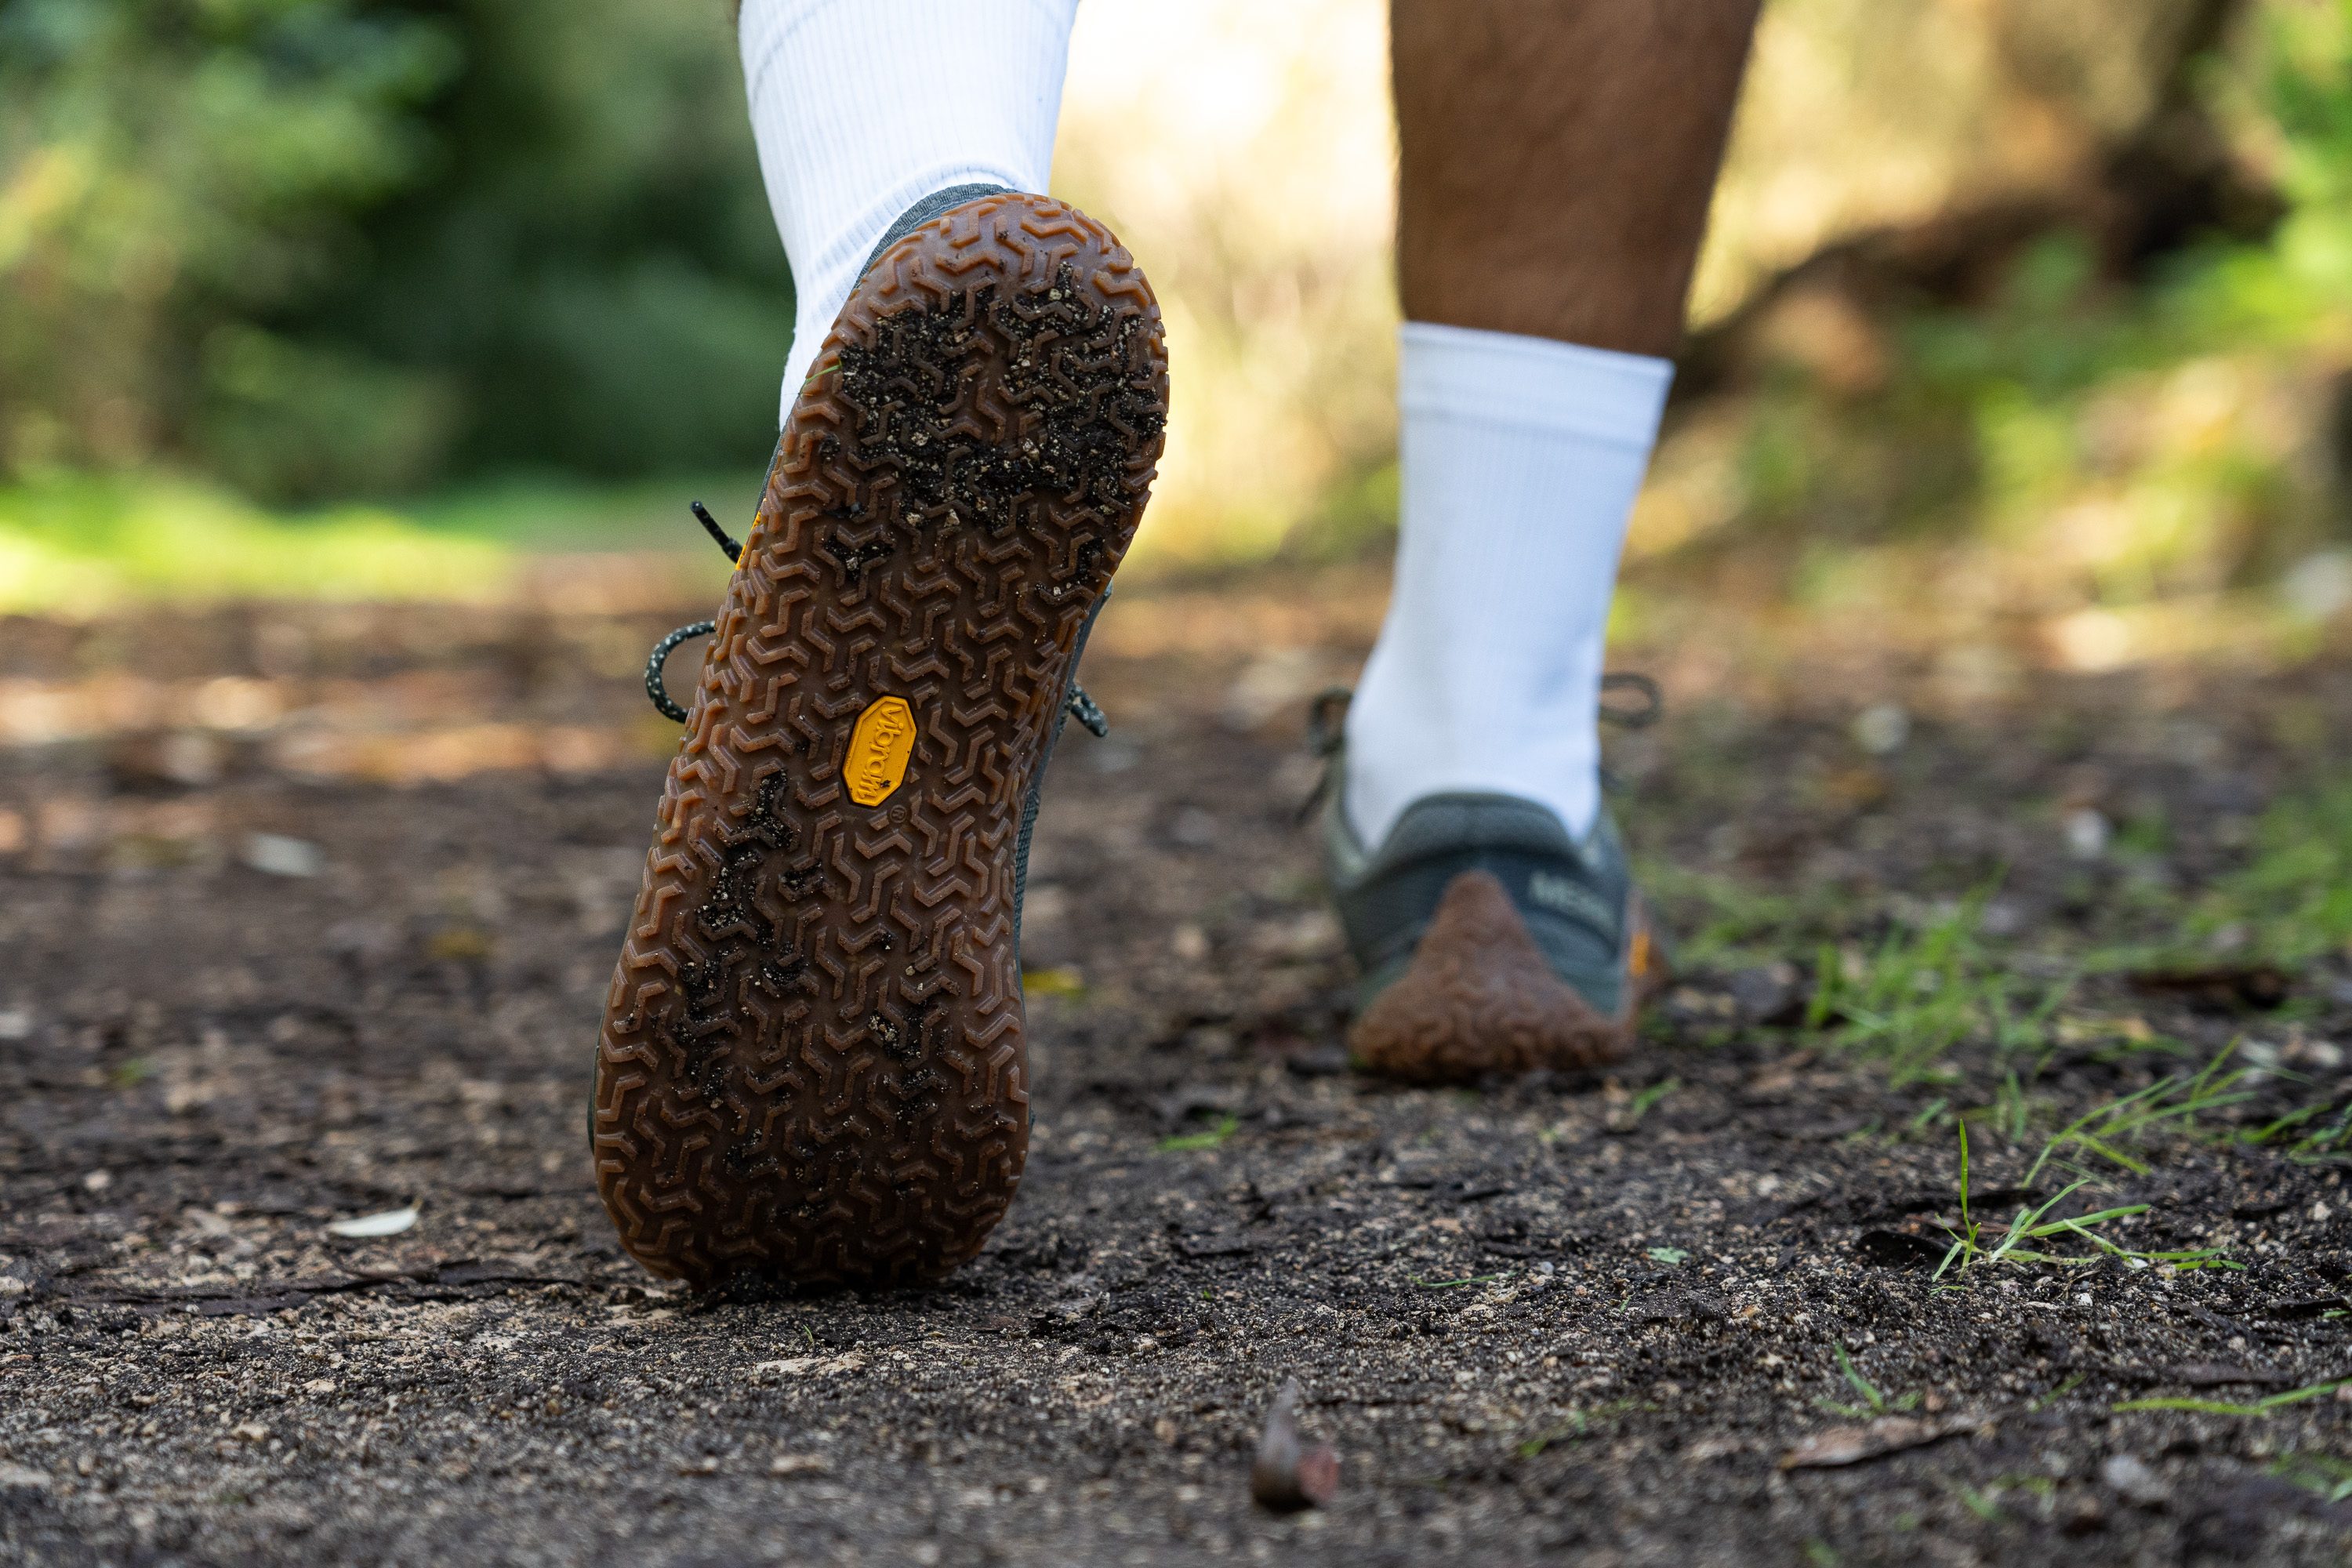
x=319, y=247
x=2103, y=360
x=2023, y=309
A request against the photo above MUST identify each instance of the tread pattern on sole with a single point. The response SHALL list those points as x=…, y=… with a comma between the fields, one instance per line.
x=812, y=1065
x=1480, y=1001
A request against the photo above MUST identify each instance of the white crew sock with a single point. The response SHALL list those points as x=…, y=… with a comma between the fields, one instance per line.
x=1521, y=459
x=862, y=108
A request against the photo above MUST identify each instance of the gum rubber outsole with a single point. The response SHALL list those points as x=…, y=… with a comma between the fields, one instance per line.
x=1479, y=1001
x=811, y=1067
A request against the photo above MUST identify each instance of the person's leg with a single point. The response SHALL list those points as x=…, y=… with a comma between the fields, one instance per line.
x=1558, y=161
x=862, y=108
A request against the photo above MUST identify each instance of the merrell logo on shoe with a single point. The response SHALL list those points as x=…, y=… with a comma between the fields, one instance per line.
x=878, y=749
x=1562, y=896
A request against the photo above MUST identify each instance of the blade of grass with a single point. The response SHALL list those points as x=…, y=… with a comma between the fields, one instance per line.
x=2226, y=1407
x=1862, y=1386
x=1205, y=1139
x=2022, y=1228
x=1964, y=1241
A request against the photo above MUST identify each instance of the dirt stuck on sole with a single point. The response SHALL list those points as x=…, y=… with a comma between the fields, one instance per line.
x=1479, y=1001
x=811, y=1064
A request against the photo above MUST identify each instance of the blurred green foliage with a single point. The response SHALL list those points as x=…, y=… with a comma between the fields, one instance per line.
x=75, y=541
x=69, y=542
x=2099, y=434
x=2292, y=901
x=320, y=248
x=305, y=250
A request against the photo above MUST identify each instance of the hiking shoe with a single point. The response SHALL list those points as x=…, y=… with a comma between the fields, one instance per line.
x=812, y=1064
x=1490, y=941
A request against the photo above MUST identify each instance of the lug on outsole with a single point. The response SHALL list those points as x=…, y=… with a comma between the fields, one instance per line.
x=811, y=1067
x=1478, y=1001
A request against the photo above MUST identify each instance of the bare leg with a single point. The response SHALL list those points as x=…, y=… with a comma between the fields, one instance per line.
x=1559, y=157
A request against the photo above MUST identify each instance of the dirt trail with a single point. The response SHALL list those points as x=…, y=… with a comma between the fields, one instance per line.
x=308, y=916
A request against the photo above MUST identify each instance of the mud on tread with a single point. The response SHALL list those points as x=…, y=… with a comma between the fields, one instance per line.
x=1479, y=1001
x=812, y=1064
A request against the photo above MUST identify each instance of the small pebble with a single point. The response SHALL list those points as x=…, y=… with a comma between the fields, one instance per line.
x=275, y=855
x=1881, y=728
x=2134, y=1479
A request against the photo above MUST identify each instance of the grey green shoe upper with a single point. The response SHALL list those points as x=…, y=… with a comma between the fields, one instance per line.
x=1576, y=898
x=1074, y=704
x=936, y=205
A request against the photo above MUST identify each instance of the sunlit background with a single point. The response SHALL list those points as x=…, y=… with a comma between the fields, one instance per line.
x=2024, y=329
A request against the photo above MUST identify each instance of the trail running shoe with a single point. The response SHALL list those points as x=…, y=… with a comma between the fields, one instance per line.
x=811, y=1064
x=1490, y=941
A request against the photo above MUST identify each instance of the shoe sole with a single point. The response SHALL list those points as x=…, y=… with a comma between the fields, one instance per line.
x=812, y=1065
x=1478, y=1000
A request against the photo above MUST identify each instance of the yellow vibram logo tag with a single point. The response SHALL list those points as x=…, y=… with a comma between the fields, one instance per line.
x=878, y=750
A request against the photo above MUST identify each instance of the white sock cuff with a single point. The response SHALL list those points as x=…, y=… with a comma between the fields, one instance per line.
x=867, y=36
x=844, y=256
x=1540, y=384
x=862, y=108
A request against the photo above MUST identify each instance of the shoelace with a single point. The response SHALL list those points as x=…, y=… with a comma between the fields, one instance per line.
x=1327, y=717
x=1079, y=705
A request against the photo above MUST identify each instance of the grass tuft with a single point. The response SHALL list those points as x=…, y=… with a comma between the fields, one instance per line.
x=2328, y=1476
x=1923, y=991
x=1641, y=1104
x=1580, y=1423
x=1972, y=1245
x=1450, y=1284
x=2109, y=1131
x=1208, y=1138
x=1874, y=1402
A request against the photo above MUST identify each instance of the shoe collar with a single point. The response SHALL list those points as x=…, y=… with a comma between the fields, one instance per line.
x=1452, y=821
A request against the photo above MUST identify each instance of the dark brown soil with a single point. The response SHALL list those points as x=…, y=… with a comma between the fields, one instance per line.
x=1549, y=1320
